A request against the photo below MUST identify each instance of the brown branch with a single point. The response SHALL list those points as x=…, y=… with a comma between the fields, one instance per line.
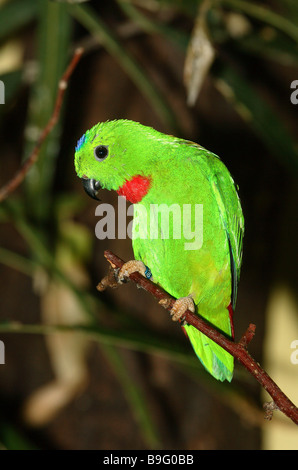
x=21, y=173
x=238, y=350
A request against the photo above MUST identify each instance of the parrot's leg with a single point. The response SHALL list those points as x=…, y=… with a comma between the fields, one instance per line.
x=132, y=267
x=180, y=306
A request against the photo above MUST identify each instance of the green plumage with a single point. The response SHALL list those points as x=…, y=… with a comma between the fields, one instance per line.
x=179, y=174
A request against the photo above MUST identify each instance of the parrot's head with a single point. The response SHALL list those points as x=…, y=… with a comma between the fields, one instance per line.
x=120, y=155
x=124, y=156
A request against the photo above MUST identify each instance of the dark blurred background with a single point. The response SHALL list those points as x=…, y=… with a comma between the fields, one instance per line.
x=121, y=375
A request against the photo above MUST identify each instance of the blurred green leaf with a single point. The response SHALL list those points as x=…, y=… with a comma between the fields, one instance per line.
x=151, y=26
x=15, y=14
x=91, y=21
x=259, y=115
x=278, y=48
x=267, y=15
x=45, y=259
x=136, y=340
x=136, y=399
x=187, y=6
x=291, y=8
x=70, y=1
x=53, y=39
x=16, y=261
x=12, y=439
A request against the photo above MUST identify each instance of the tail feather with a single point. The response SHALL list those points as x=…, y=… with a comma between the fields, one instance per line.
x=214, y=358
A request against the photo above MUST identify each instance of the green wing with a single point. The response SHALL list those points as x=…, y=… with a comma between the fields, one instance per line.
x=226, y=195
x=214, y=358
x=228, y=201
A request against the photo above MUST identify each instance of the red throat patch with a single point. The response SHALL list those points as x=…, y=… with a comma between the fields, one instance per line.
x=135, y=189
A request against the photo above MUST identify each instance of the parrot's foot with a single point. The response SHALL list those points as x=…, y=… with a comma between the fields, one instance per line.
x=180, y=306
x=132, y=267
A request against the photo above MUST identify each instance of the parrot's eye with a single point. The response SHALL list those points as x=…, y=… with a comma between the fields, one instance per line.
x=101, y=152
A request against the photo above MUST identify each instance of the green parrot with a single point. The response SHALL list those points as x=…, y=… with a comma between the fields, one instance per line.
x=188, y=223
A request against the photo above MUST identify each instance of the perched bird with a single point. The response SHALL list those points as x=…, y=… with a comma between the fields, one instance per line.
x=188, y=221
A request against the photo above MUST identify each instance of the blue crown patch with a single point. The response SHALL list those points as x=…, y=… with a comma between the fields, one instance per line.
x=81, y=142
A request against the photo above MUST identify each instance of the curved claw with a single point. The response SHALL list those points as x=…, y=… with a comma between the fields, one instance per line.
x=180, y=306
x=131, y=267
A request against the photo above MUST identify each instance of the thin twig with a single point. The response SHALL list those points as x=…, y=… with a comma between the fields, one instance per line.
x=21, y=173
x=238, y=350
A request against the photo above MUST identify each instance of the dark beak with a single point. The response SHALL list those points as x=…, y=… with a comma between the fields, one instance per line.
x=91, y=187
